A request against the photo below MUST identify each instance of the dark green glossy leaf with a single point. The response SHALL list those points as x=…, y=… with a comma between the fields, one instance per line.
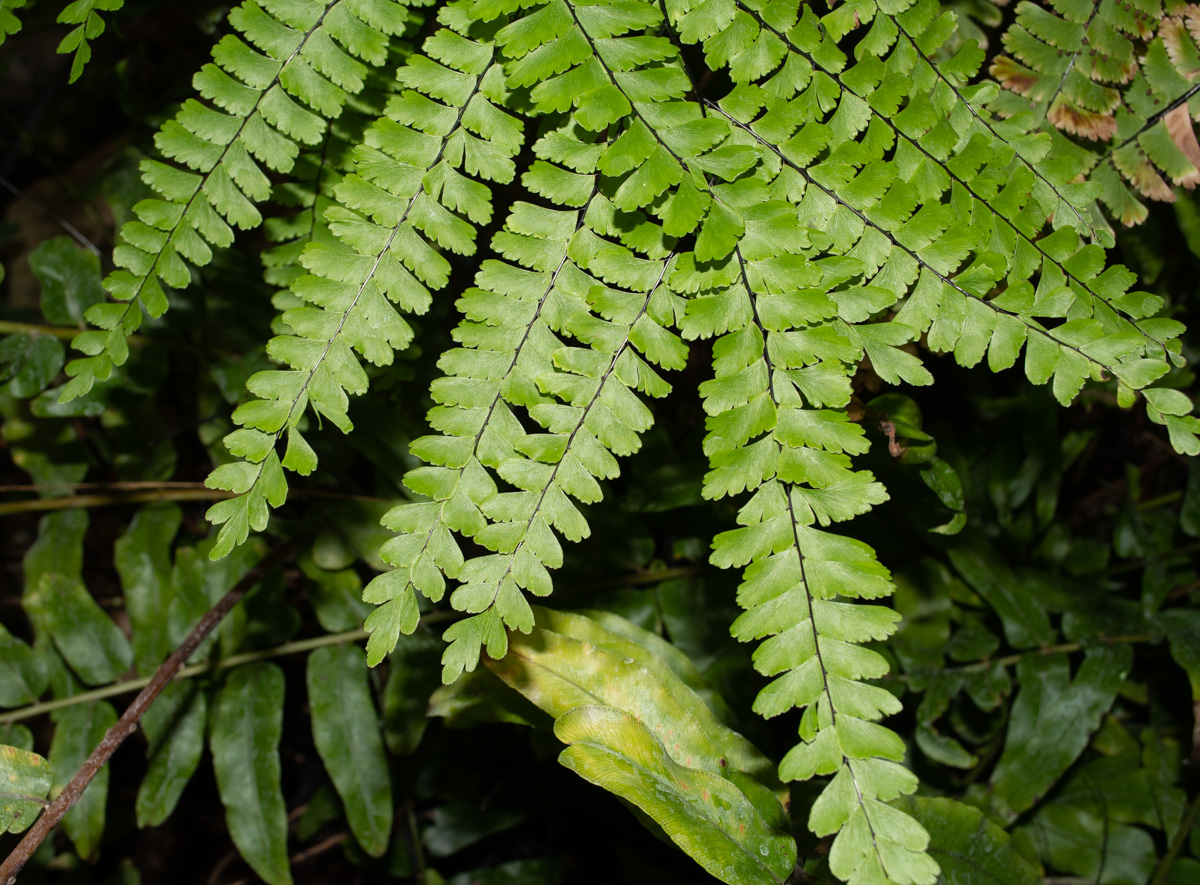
x=86, y=637
x=970, y=849
x=174, y=727
x=58, y=548
x=28, y=363
x=247, y=722
x=943, y=480
x=16, y=735
x=143, y=560
x=322, y=807
x=415, y=673
x=1076, y=838
x=336, y=597
x=198, y=583
x=1182, y=626
x=475, y=697
x=70, y=278
x=22, y=672
x=346, y=732
x=78, y=730
x=538, y=871
x=459, y=824
x=1184, y=871
x=1026, y=622
x=1127, y=782
x=1189, y=510
x=1051, y=721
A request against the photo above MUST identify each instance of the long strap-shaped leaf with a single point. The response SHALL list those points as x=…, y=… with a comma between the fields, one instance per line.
x=265, y=99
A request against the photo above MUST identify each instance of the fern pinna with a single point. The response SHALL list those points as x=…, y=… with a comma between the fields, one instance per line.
x=266, y=98
x=1120, y=76
x=854, y=194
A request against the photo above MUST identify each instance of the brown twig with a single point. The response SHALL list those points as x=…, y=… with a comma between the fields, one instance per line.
x=126, y=493
x=122, y=486
x=1014, y=659
x=37, y=505
x=127, y=724
x=128, y=686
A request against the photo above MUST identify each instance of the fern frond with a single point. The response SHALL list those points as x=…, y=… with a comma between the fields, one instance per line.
x=933, y=207
x=786, y=357
x=85, y=15
x=407, y=198
x=962, y=314
x=1155, y=148
x=1120, y=78
x=311, y=188
x=514, y=360
x=924, y=106
x=599, y=64
x=266, y=98
x=9, y=23
x=1068, y=65
x=606, y=66
x=895, y=100
x=509, y=337
x=594, y=415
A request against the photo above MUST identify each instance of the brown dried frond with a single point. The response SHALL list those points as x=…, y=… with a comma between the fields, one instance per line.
x=1183, y=133
x=1095, y=125
x=1013, y=75
x=1142, y=175
x=1178, y=33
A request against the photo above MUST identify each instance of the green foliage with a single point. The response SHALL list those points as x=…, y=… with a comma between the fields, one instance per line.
x=638, y=728
x=26, y=779
x=9, y=23
x=343, y=728
x=85, y=15
x=245, y=753
x=77, y=731
x=723, y=831
x=267, y=97
x=537, y=230
x=969, y=848
x=1120, y=77
x=380, y=257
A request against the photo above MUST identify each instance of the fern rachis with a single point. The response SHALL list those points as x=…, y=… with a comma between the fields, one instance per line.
x=818, y=216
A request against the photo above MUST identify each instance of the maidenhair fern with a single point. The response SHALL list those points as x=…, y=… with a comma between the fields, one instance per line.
x=89, y=24
x=831, y=193
x=1120, y=76
x=265, y=98
x=408, y=188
